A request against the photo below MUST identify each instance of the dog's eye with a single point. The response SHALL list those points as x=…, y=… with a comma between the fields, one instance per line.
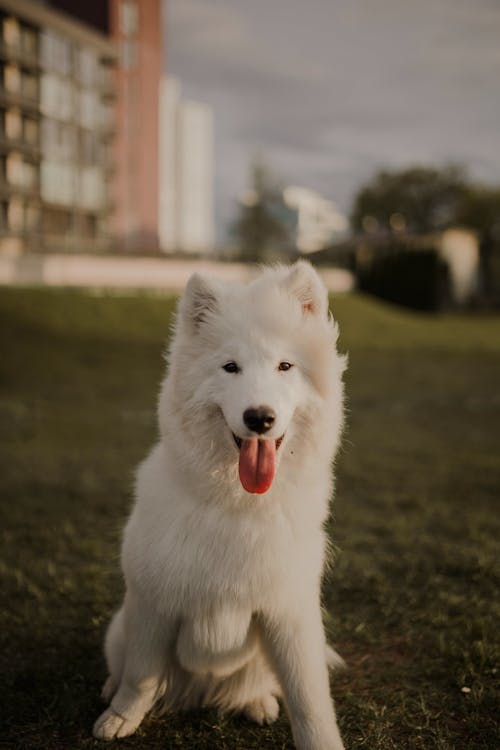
x=283, y=366
x=231, y=367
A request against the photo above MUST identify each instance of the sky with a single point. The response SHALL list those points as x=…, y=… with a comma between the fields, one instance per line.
x=327, y=92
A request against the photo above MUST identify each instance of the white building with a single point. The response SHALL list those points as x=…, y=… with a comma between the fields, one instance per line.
x=459, y=248
x=318, y=219
x=167, y=172
x=186, y=174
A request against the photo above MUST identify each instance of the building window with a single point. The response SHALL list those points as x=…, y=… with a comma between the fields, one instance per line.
x=30, y=132
x=58, y=140
x=87, y=67
x=31, y=217
x=129, y=17
x=12, y=78
x=28, y=42
x=3, y=214
x=56, y=221
x=15, y=215
x=55, y=52
x=89, y=109
x=13, y=124
x=57, y=182
x=29, y=86
x=11, y=32
x=92, y=189
x=128, y=54
x=57, y=97
x=20, y=83
x=19, y=173
x=88, y=226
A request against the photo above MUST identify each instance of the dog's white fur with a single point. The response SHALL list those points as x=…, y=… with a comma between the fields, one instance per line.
x=222, y=604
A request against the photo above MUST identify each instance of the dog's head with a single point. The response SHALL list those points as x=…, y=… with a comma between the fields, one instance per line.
x=253, y=363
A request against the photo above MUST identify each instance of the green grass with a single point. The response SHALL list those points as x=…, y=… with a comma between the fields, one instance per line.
x=412, y=598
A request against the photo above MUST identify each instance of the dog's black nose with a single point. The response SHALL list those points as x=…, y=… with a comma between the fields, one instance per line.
x=259, y=420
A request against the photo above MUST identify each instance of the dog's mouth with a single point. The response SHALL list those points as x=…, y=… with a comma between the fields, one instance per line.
x=239, y=441
x=257, y=464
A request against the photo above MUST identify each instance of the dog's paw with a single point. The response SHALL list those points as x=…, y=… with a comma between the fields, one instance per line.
x=110, y=725
x=263, y=710
x=108, y=689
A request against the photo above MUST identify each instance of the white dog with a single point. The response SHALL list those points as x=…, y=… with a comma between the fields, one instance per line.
x=224, y=551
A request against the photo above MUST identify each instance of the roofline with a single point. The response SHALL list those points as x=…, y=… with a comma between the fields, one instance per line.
x=41, y=15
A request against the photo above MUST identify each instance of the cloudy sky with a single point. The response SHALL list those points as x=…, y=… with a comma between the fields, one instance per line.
x=330, y=90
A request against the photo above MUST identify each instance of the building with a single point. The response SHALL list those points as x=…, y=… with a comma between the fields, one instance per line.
x=186, y=176
x=57, y=119
x=318, y=220
x=459, y=249
x=136, y=28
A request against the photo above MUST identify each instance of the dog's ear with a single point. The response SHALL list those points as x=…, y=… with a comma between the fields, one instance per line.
x=304, y=283
x=199, y=300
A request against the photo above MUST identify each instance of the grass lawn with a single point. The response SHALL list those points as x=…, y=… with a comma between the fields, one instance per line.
x=412, y=598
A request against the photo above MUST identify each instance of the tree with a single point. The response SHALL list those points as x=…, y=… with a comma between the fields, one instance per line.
x=426, y=199
x=480, y=210
x=260, y=229
x=417, y=199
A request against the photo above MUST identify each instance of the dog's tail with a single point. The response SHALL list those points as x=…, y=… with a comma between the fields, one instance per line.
x=333, y=660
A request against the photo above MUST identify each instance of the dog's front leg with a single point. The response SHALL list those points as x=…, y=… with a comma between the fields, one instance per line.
x=295, y=643
x=146, y=643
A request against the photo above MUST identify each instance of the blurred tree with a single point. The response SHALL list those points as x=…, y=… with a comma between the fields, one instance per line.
x=426, y=199
x=480, y=210
x=418, y=199
x=261, y=228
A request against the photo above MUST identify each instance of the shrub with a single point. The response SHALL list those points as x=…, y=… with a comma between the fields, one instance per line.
x=413, y=278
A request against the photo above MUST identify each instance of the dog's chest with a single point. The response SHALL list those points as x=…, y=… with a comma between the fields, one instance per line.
x=214, y=563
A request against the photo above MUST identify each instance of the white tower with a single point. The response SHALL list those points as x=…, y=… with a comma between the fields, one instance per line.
x=186, y=194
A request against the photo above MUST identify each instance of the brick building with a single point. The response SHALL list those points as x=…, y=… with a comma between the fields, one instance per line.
x=79, y=125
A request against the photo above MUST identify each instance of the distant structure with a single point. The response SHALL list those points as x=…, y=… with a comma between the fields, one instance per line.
x=79, y=125
x=318, y=220
x=56, y=128
x=136, y=28
x=459, y=249
x=186, y=175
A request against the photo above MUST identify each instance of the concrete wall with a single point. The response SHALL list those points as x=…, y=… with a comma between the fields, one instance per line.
x=135, y=273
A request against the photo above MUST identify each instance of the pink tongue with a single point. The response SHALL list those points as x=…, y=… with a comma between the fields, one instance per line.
x=257, y=464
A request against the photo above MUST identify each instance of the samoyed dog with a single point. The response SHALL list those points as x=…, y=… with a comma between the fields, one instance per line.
x=224, y=550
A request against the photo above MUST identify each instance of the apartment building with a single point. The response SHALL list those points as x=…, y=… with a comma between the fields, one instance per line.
x=56, y=130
